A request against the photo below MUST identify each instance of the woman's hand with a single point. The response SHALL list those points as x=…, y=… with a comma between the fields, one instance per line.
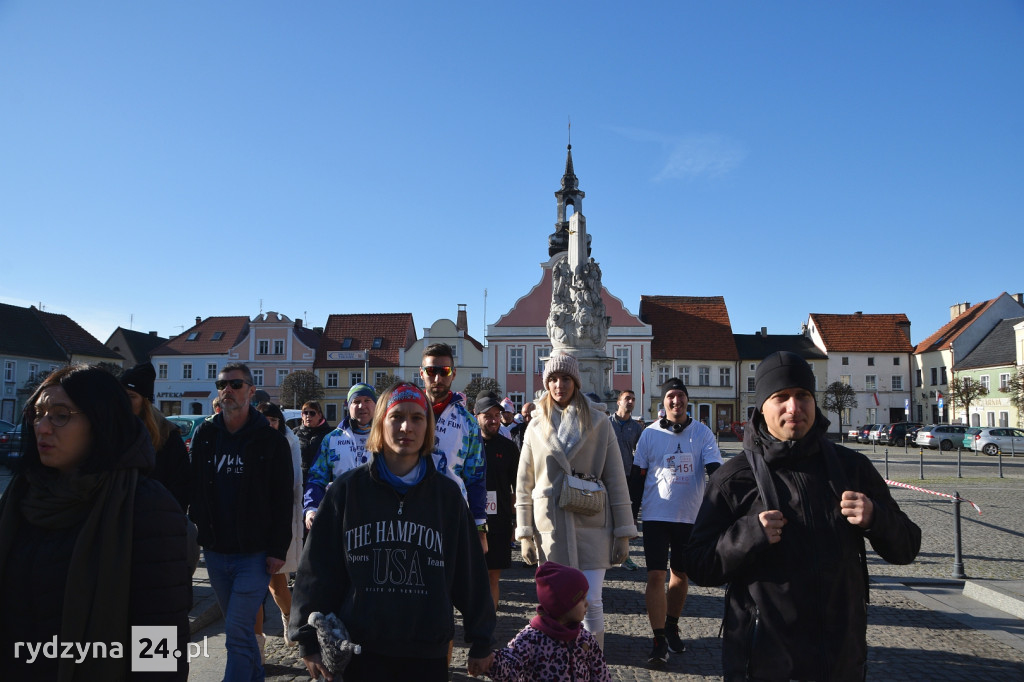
x=315, y=668
x=620, y=550
x=479, y=666
x=528, y=547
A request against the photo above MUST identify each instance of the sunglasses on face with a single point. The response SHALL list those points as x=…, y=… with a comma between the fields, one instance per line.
x=445, y=370
x=236, y=384
x=309, y=413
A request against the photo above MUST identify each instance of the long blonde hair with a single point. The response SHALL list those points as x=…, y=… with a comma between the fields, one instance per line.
x=579, y=401
x=149, y=421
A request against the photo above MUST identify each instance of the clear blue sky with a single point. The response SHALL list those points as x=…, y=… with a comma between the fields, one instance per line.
x=165, y=160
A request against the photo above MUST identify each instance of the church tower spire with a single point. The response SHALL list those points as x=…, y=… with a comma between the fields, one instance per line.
x=569, y=195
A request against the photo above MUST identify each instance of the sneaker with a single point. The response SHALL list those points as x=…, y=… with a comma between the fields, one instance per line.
x=288, y=641
x=675, y=644
x=629, y=565
x=659, y=654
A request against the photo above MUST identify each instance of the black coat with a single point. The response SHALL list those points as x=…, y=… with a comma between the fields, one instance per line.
x=796, y=609
x=310, y=438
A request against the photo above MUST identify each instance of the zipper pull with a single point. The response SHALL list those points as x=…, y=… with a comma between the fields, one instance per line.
x=401, y=503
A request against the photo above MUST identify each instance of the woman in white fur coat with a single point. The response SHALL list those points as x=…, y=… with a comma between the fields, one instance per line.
x=567, y=431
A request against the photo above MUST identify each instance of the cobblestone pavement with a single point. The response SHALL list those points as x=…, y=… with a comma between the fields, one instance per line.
x=907, y=640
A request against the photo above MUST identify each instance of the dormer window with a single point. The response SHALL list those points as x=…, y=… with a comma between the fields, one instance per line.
x=192, y=336
x=347, y=343
x=378, y=341
x=217, y=336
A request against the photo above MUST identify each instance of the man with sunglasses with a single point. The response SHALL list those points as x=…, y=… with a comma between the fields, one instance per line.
x=242, y=504
x=458, y=449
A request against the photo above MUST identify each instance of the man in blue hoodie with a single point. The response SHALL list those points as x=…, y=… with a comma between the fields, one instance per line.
x=242, y=504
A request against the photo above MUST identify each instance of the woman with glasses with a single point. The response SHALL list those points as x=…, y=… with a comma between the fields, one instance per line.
x=90, y=546
x=567, y=434
x=279, y=581
x=311, y=433
x=391, y=550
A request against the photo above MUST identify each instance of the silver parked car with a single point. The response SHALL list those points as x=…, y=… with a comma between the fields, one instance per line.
x=993, y=439
x=940, y=436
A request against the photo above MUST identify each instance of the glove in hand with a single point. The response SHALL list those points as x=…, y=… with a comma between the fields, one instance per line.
x=528, y=547
x=620, y=550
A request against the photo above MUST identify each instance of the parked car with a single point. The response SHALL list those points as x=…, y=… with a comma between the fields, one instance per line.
x=873, y=433
x=292, y=418
x=940, y=436
x=853, y=433
x=865, y=430
x=6, y=426
x=188, y=424
x=10, y=448
x=993, y=440
x=896, y=434
x=968, y=443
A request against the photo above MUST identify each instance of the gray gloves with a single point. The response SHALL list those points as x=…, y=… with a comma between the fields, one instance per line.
x=528, y=547
x=620, y=550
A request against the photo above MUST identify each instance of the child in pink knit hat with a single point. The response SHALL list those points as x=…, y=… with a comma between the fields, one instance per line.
x=554, y=646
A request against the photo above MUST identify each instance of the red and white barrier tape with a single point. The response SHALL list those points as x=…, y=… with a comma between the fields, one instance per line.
x=931, y=492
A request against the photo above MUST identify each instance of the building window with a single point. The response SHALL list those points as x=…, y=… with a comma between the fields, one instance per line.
x=262, y=347
x=279, y=347
x=161, y=371
x=281, y=374
x=33, y=369
x=515, y=359
x=684, y=374
x=10, y=369
x=332, y=412
x=355, y=378
x=332, y=380
x=517, y=400
x=942, y=375
x=984, y=379
x=847, y=417
x=870, y=382
x=346, y=343
x=543, y=353
x=217, y=336
x=844, y=379
x=753, y=366
x=751, y=384
x=897, y=382
x=846, y=360
x=918, y=379
x=378, y=377
x=1004, y=381
x=872, y=411
x=257, y=377
x=935, y=376
x=871, y=362
x=211, y=370
x=378, y=342
x=186, y=370
x=725, y=376
x=664, y=372
x=896, y=362
x=192, y=336
x=705, y=376
x=990, y=419
x=622, y=360
x=1004, y=419
x=475, y=375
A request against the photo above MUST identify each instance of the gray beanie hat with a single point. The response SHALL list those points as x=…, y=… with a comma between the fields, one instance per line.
x=562, y=363
x=779, y=371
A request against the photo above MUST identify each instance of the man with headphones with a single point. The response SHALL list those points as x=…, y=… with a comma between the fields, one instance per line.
x=672, y=458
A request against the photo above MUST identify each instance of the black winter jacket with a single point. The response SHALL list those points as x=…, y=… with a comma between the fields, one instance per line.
x=264, y=503
x=796, y=609
x=392, y=566
x=310, y=438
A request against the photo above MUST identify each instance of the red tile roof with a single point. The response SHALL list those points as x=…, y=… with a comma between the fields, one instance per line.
x=232, y=330
x=860, y=333
x=72, y=338
x=944, y=337
x=396, y=331
x=689, y=327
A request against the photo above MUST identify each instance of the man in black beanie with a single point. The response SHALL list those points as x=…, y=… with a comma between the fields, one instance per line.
x=785, y=525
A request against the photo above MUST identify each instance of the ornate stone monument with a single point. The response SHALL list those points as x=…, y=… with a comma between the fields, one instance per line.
x=577, y=323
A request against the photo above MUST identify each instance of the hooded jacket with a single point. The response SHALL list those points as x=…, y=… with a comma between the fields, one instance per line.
x=341, y=449
x=263, y=507
x=796, y=609
x=310, y=438
x=391, y=567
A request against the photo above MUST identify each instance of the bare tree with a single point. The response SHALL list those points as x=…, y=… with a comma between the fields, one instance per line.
x=964, y=392
x=838, y=398
x=1015, y=388
x=386, y=382
x=474, y=388
x=300, y=387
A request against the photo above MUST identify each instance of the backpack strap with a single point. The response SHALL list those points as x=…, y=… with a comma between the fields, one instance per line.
x=763, y=479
